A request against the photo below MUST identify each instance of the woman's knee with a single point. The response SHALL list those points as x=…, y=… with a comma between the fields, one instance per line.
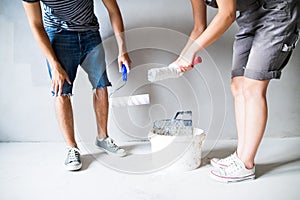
x=255, y=88
x=236, y=86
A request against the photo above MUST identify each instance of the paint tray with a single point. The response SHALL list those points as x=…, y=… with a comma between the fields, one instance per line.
x=181, y=124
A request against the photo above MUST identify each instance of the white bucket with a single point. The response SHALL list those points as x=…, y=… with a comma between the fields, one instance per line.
x=183, y=151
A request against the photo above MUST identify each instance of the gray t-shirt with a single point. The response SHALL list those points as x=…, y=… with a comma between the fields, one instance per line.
x=73, y=15
x=240, y=4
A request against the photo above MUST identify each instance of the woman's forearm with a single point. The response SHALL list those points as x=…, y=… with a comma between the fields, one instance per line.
x=221, y=22
x=202, y=36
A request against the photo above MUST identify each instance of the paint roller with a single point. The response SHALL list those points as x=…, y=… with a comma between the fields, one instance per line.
x=134, y=100
x=171, y=71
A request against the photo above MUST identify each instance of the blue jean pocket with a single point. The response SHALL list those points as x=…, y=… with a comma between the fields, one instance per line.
x=53, y=30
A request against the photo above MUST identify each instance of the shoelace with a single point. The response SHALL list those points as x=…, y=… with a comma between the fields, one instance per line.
x=232, y=168
x=73, y=155
x=228, y=159
x=111, y=144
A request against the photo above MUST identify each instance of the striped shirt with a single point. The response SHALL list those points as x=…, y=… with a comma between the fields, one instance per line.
x=72, y=15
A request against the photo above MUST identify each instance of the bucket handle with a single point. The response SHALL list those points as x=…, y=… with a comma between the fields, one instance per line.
x=189, y=113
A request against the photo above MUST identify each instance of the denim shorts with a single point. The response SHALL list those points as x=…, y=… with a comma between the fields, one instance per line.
x=268, y=33
x=79, y=48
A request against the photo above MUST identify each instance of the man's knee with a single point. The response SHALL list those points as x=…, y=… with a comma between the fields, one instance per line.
x=101, y=93
x=63, y=98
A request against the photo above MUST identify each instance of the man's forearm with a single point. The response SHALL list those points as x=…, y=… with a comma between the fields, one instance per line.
x=44, y=43
x=118, y=28
x=116, y=23
x=120, y=37
x=33, y=12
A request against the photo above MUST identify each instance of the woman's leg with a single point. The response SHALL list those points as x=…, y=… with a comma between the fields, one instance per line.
x=255, y=118
x=237, y=84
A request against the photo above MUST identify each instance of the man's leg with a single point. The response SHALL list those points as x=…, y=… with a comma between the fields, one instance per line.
x=64, y=115
x=256, y=114
x=101, y=110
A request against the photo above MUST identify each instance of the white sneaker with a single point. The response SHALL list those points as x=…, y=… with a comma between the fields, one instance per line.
x=225, y=162
x=72, y=161
x=236, y=171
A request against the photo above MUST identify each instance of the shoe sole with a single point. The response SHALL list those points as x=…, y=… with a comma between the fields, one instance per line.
x=231, y=180
x=111, y=153
x=73, y=168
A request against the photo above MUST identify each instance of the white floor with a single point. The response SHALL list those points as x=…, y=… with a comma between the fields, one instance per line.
x=34, y=171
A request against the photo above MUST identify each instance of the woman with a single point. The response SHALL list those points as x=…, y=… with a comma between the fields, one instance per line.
x=268, y=32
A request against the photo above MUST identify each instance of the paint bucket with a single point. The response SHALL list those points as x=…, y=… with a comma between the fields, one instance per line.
x=183, y=151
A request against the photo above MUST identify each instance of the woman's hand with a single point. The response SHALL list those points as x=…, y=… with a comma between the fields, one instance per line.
x=186, y=64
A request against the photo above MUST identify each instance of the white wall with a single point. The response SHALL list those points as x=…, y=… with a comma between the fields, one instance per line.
x=26, y=105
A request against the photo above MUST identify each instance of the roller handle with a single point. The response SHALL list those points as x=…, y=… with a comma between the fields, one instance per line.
x=188, y=113
x=197, y=60
x=124, y=73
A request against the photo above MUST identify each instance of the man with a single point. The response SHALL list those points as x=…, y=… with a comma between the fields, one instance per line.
x=268, y=32
x=70, y=37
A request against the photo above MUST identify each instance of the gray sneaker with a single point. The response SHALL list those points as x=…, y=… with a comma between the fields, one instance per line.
x=73, y=162
x=109, y=146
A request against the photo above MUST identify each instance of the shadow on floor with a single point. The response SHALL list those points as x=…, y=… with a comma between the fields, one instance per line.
x=263, y=169
x=87, y=159
x=217, y=153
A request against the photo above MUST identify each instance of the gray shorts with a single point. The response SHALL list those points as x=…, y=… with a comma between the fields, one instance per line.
x=268, y=33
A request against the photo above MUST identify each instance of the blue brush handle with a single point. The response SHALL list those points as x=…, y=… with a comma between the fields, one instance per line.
x=124, y=73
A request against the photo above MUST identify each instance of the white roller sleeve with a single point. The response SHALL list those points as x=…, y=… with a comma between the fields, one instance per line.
x=134, y=100
x=157, y=74
x=172, y=71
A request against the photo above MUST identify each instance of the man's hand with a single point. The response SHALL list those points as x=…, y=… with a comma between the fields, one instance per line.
x=124, y=59
x=59, y=76
x=118, y=27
